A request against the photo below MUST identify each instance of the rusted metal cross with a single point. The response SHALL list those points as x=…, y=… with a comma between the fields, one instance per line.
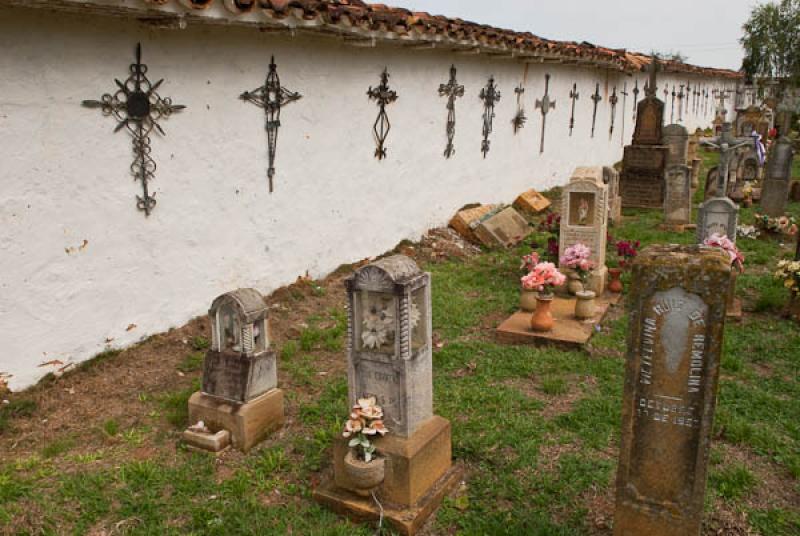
x=574, y=96
x=613, y=99
x=452, y=90
x=545, y=104
x=596, y=98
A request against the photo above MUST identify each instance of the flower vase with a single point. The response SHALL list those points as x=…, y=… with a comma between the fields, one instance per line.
x=364, y=476
x=585, y=306
x=527, y=300
x=615, y=285
x=542, y=317
x=574, y=284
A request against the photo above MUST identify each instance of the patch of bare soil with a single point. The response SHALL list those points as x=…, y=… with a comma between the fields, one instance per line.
x=555, y=405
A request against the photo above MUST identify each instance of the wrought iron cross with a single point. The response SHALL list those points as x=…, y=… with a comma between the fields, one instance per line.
x=624, y=103
x=686, y=95
x=383, y=96
x=635, y=99
x=613, y=99
x=137, y=106
x=545, y=104
x=271, y=97
x=452, y=90
x=490, y=96
x=520, y=118
x=596, y=98
x=681, y=96
x=574, y=96
x=672, y=108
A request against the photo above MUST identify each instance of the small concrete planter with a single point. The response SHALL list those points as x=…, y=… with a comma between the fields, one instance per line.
x=364, y=476
x=585, y=307
x=527, y=300
x=574, y=284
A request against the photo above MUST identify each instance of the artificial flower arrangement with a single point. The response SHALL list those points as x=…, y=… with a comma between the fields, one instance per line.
x=727, y=245
x=785, y=225
x=627, y=251
x=543, y=278
x=747, y=231
x=529, y=262
x=789, y=273
x=576, y=257
x=363, y=426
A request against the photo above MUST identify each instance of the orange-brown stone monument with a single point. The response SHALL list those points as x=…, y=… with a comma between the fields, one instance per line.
x=677, y=316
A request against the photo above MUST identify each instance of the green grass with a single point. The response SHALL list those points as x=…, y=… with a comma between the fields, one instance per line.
x=537, y=428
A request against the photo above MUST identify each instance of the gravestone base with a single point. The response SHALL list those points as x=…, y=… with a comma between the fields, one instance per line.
x=597, y=281
x=634, y=520
x=248, y=424
x=568, y=332
x=419, y=474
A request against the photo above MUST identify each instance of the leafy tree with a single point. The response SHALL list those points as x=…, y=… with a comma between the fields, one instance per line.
x=772, y=41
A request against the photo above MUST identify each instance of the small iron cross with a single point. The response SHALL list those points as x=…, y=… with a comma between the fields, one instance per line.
x=138, y=107
x=681, y=96
x=574, y=96
x=452, y=90
x=383, y=96
x=520, y=118
x=624, y=103
x=490, y=96
x=545, y=105
x=613, y=99
x=672, y=108
x=596, y=98
x=635, y=99
x=271, y=97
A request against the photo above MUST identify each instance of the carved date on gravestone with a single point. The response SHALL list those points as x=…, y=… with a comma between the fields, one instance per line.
x=677, y=313
x=381, y=380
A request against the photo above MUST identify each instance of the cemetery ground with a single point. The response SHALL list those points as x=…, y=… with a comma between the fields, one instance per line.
x=96, y=451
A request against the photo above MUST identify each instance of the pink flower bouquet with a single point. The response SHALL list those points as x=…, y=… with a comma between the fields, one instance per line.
x=576, y=257
x=529, y=262
x=727, y=245
x=543, y=278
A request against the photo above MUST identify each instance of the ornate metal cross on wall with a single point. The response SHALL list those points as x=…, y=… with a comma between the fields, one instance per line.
x=574, y=96
x=520, y=118
x=137, y=106
x=545, y=105
x=383, y=96
x=271, y=97
x=490, y=96
x=635, y=99
x=596, y=98
x=452, y=90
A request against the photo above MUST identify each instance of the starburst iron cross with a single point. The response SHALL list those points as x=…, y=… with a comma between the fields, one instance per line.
x=137, y=106
x=452, y=90
x=383, y=96
x=490, y=96
x=271, y=97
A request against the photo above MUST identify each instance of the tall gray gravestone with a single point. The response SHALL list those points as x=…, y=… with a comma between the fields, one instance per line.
x=777, y=182
x=676, y=139
x=678, y=197
x=676, y=324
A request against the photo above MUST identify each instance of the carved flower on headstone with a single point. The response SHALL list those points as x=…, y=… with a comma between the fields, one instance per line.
x=378, y=325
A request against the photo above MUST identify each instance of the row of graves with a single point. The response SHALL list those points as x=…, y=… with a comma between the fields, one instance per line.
x=393, y=462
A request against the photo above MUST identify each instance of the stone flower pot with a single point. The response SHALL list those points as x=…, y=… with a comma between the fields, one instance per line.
x=615, y=285
x=364, y=476
x=527, y=300
x=542, y=317
x=585, y=307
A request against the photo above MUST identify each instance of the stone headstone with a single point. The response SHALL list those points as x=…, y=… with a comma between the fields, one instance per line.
x=678, y=198
x=649, y=122
x=676, y=138
x=717, y=215
x=531, y=202
x=644, y=161
x=611, y=178
x=585, y=220
x=467, y=219
x=775, y=191
x=677, y=318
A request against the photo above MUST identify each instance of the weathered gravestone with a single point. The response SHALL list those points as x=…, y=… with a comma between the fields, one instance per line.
x=611, y=178
x=676, y=139
x=585, y=221
x=717, y=215
x=677, y=316
x=644, y=161
x=390, y=358
x=775, y=191
x=239, y=391
x=678, y=197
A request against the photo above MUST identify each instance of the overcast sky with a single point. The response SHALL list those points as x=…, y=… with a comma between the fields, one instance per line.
x=707, y=31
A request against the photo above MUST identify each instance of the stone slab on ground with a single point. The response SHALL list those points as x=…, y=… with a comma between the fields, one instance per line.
x=506, y=228
x=407, y=521
x=531, y=202
x=465, y=221
x=568, y=331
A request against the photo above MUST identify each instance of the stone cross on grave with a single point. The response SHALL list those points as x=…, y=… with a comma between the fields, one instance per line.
x=726, y=143
x=650, y=88
x=545, y=105
x=723, y=95
x=271, y=97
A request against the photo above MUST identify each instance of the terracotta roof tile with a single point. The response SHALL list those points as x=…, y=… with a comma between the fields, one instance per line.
x=424, y=26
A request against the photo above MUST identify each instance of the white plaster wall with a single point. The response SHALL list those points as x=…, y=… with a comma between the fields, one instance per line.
x=64, y=178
